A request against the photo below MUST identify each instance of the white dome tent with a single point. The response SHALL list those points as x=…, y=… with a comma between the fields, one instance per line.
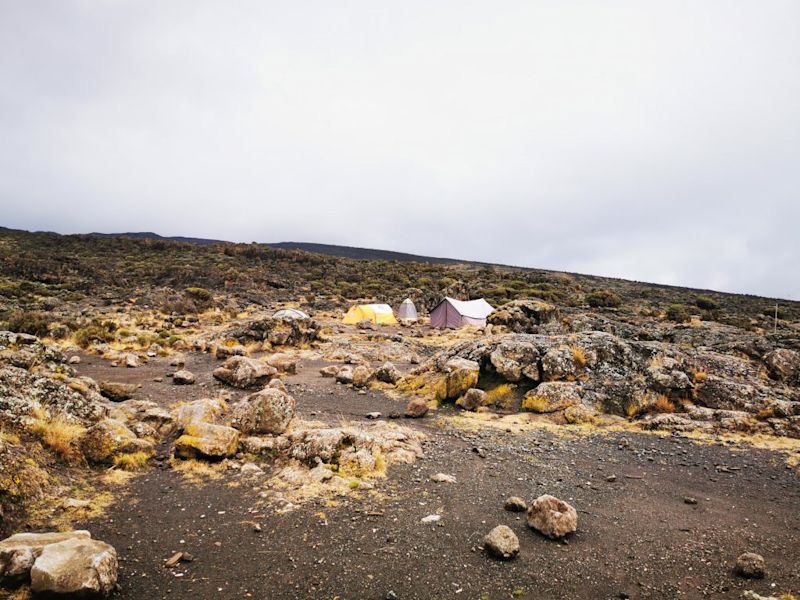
x=407, y=311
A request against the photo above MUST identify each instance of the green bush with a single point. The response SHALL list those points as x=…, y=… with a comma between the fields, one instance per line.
x=200, y=295
x=603, y=298
x=34, y=323
x=86, y=336
x=706, y=303
x=677, y=313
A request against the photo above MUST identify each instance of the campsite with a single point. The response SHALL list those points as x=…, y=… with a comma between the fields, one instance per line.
x=230, y=442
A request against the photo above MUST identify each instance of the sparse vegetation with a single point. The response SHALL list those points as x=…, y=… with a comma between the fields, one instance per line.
x=663, y=404
x=677, y=313
x=60, y=436
x=133, y=461
x=706, y=303
x=603, y=299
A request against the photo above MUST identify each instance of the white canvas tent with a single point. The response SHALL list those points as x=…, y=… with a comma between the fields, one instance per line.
x=290, y=313
x=407, y=310
x=454, y=313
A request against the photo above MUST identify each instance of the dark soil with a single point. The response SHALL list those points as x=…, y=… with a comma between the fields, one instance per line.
x=637, y=537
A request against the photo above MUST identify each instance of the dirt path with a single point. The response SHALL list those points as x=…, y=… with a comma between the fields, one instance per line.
x=637, y=537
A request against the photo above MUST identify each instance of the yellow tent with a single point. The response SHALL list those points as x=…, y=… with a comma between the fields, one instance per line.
x=381, y=314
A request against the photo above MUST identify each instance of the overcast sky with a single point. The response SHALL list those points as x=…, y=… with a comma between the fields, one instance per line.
x=658, y=141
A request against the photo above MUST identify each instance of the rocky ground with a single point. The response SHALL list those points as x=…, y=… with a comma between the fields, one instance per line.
x=640, y=532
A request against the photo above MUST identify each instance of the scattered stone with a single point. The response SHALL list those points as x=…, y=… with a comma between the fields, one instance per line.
x=515, y=504
x=387, y=373
x=251, y=470
x=373, y=415
x=611, y=478
x=329, y=371
x=74, y=360
x=132, y=361
x=283, y=362
x=430, y=519
x=552, y=517
x=501, y=542
x=80, y=567
x=277, y=384
x=362, y=376
x=443, y=478
x=751, y=565
x=416, y=408
x=74, y=503
x=472, y=399
x=183, y=377
x=108, y=438
x=690, y=500
x=344, y=375
x=179, y=361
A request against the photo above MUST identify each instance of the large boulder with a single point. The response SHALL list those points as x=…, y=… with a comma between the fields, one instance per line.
x=461, y=375
x=515, y=360
x=243, y=372
x=18, y=552
x=78, y=567
x=205, y=410
x=552, y=517
x=524, y=316
x=109, y=438
x=118, y=392
x=207, y=440
x=559, y=364
x=784, y=365
x=551, y=396
x=267, y=411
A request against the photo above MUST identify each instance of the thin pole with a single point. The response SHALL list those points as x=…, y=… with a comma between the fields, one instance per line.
x=776, y=317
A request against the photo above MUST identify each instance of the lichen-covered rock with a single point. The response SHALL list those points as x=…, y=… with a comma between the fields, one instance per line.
x=472, y=399
x=524, y=316
x=552, y=517
x=516, y=360
x=387, y=373
x=183, y=377
x=205, y=410
x=267, y=411
x=558, y=364
x=276, y=331
x=18, y=552
x=226, y=351
x=329, y=371
x=243, y=372
x=344, y=375
x=24, y=394
x=501, y=542
x=362, y=375
x=108, y=438
x=416, y=408
x=283, y=362
x=118, y=392
x=784, y=365
x=551, y=396
x=75, y=567
x=461, y=374
x=207, y=440
x=751, y=565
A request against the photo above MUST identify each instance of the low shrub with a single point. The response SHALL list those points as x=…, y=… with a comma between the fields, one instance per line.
x=677, y=313
x=33, y=323
x=706, y=303
x=603, y=299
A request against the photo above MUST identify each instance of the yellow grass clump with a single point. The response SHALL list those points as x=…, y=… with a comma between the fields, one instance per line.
x=133, y=461
x=60, y=436
x=663, y=404
x=579, y=357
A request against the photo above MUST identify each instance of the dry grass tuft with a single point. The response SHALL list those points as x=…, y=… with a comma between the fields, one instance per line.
x=133, y=461
x=502, y=395
x=197, y=472
x=6, y=437
x=60, y=436
x=699, y=375
x=579, y=357
x=663, y=404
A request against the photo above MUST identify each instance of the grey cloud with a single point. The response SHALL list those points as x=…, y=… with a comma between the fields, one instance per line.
x=653, y=140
